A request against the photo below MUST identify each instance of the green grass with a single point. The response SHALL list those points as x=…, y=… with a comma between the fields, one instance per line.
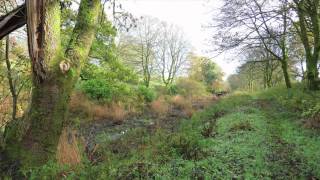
x=243, y=136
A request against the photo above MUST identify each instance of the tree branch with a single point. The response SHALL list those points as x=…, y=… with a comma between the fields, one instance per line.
x=12, y=21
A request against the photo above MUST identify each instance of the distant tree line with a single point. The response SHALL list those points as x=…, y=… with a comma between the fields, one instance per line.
x=281, y=34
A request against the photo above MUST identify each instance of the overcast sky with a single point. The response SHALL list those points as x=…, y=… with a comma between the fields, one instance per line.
x=191, y=16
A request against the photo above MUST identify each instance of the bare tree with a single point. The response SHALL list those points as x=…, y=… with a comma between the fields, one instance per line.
x=147, y=37
x=172, y=51
x=255, y=23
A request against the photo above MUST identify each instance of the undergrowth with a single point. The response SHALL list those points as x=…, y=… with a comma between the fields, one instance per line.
x=243, y=136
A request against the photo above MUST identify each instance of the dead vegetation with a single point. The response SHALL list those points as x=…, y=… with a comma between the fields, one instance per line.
x=93, y=111
x=68, y=151
x=183, y=104
x=5, y=108
x=160, y=107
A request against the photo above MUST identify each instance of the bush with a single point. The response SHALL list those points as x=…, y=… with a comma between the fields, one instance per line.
x=146, y=93
x=187, y=146
x=190, y=88
x=104, y=91
x=97, y=89
x=109, y=82
x=173, y=89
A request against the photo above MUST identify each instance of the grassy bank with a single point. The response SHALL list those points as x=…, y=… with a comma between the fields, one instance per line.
x=259, y=136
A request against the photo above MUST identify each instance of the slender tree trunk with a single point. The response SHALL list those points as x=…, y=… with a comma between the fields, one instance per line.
x=284, y=66
x=302, y=70
x=12, y=88
x=284, y=61
x=33, y=141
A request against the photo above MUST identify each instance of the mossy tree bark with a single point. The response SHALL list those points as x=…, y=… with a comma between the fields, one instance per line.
x=33, y=140
x=309, y=31
x=284, y=66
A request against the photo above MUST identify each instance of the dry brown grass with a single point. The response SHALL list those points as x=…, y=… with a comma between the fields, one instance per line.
x=160, y=107
x=98, y=112
x=117, y=112
x=180, y=101
x=79, y=102
x=68, y=150
x=5, y=114
x=183, y=104
x=114, y=111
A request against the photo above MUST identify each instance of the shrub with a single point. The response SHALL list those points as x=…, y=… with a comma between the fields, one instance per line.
x=146, y=93
x=190, y=88
x=97, y=89
x=209, y=129
x=312, y=116
x=187, y=146
x=173, y=89
x=106, y=91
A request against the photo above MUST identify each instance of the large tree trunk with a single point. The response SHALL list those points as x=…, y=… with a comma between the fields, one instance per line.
x=36, y=144
x=33, y=140
x=308, y=13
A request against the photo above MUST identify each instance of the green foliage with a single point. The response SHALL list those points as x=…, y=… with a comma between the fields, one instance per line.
x=304, y=101
x=255, y=137
x=146, y=93
x=109, y=81
x=187, y=146
x=211, y=72
x=190, y=88
x=173, y=89
x=206, y=71
x=112, y=71
x=104, y=47
x=48, y=171
x=313, y=111
x=97, y=89
x=104, y=91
